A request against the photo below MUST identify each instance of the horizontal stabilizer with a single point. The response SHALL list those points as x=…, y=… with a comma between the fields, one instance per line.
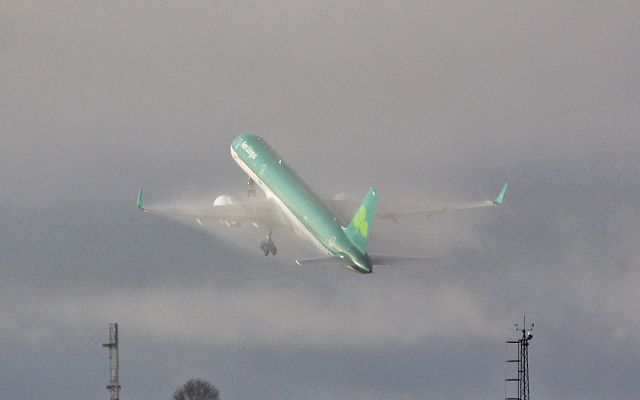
x=320, y=260
x=379, y=259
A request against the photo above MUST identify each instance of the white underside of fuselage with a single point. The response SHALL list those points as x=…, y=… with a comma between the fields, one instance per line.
x=293, y=220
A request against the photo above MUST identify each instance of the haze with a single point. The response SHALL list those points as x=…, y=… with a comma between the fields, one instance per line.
x=425, y=100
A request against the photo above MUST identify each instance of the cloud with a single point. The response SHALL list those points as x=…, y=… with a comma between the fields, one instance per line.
x=424, y=101
x=349, y=317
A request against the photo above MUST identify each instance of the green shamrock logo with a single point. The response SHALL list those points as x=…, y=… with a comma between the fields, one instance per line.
x=360, y=222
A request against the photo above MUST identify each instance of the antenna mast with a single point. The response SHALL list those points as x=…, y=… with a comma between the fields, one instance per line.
x=522, y=362
x=114, y=384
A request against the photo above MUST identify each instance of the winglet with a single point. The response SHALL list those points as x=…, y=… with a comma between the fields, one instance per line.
x=498, y=201
x=139, y=204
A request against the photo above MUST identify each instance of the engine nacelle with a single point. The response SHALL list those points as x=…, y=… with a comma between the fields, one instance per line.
x=344, y=197
x=225, y=200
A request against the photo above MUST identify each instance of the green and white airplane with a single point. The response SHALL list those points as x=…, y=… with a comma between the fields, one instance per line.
x=291, y=204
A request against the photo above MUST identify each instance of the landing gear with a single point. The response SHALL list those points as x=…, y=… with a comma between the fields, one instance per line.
x=251, y=190
x=267, y=245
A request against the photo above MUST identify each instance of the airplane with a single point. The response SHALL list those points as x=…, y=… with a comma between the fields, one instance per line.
x=291, y=204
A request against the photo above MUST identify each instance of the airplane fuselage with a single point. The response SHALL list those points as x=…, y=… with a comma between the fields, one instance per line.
x=304, y=209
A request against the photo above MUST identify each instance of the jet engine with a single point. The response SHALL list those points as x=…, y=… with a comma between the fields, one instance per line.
x=344, y=197
x=225, y=200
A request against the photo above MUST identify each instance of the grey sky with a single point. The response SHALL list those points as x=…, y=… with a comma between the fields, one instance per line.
x=424, y=100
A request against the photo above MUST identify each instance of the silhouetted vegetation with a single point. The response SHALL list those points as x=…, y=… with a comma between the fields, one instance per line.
x=196, y=389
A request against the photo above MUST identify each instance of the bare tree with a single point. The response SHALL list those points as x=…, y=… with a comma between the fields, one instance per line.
x=196, y=389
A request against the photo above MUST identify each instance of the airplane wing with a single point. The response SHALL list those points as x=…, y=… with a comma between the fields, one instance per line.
x=344, y=208
x=264, y=212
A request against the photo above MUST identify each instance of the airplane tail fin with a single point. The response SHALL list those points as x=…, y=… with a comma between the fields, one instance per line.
x=360, y=227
